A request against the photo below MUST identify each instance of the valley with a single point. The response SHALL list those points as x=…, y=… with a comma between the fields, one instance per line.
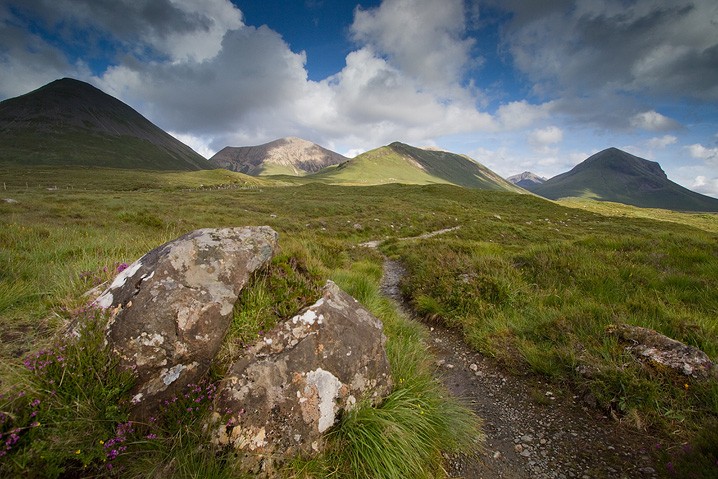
x=502, y=309
x=529, y=284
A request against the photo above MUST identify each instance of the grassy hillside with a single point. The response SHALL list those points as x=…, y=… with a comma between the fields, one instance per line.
x=533, y=283
x=616, y=176
x=69, y=122
x=15, y=178
x=400, y=163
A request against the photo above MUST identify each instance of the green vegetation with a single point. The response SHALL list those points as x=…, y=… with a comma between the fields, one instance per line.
x=530, y=282
x=55, y=245
x=69, y=122
x=538, y=289
x=400, y=163
x=614, y=175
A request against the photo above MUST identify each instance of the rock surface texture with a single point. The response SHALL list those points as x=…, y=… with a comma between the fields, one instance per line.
x=667, y=352
x=292, y=385
x=172, y=307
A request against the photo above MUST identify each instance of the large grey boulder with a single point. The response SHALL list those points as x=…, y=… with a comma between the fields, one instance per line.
x=171, y=308
x=293, y=384
x=661, y=350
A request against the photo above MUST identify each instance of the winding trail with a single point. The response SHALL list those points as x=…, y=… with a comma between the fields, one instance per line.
x=533, y=431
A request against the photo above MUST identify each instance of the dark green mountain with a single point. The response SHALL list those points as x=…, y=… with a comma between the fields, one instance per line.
x=400, y=163
x=614, y=175
x=69, y=122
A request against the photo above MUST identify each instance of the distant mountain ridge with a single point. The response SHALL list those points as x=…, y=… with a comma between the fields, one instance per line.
x=526, y=180
x=618, y=176
x=401, y=163
x=289, y=156
x=70, y=122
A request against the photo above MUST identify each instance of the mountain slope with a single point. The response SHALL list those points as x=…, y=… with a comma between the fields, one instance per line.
x=286, y=156
x=401, y=163
x=69, y=122
x=614, y=175
x=526, y=180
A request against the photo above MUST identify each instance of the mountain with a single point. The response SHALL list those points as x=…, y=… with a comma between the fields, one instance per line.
x=69, y=122
x=400, y=163
x=286, y=156
x=614, y=175
x=526, y=180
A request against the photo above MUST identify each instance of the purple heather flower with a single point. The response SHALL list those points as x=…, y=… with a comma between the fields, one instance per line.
x=121, y=267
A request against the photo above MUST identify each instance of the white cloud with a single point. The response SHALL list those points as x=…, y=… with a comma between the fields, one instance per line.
x=546, y=136
x=705, y=185
x=662, y=142
x=198, y=144
x=521, y=114
x=709, y=155
x=652, y=121
x=425, y=39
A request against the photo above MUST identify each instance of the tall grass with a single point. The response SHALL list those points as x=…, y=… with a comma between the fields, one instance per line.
x=548, y=308
x=530, y=282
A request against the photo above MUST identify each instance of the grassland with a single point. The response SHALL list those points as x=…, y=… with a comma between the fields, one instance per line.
x=400, y=163
x=530, y=282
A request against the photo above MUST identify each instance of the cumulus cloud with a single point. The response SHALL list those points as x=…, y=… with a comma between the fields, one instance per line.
x=709, y=155
x=255, y=88
x=516, y=115
x=423, y=38
x=652, y=121
x=705, y=185
x=546, y=136
x=662, y=142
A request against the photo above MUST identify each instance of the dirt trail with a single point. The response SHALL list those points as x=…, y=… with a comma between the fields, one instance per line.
x=532, y=430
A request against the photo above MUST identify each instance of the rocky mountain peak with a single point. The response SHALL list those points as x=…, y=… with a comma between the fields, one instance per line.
x=289, y=155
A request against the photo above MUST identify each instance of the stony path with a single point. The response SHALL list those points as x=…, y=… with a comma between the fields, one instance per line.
x=532, y=429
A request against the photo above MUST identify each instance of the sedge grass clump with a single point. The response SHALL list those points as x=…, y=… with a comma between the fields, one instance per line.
x=407, y=433
x=61, y=403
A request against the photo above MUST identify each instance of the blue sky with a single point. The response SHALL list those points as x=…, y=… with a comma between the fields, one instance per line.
x=516, y=84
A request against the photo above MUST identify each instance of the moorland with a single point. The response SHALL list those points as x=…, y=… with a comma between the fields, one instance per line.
x=532, y=283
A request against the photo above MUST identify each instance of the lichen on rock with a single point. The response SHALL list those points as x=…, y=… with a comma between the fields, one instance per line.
x=296, y=380
x=172, y=307
x=666, y=352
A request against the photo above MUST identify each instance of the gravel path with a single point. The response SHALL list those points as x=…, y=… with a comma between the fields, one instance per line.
x=532, y=429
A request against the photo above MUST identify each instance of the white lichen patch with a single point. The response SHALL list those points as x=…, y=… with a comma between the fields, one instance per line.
x=248, y=438
x=327, y=387
x=171, y=375
x=105, y=300
x=150, y=340
x=187, y=315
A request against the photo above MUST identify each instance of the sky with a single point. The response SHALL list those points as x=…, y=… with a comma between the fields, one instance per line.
x=515, y=84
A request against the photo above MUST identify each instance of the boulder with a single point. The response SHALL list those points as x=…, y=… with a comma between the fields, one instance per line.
x=171, y=308
x=662, y=350
x=293, y=384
